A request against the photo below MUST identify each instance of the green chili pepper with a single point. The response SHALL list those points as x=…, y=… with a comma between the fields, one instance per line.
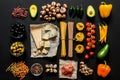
x=81, y=11
x=103, y=52
x=71, y=9
x=77, y=11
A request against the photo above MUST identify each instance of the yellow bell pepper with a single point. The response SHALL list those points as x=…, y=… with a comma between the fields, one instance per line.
x=105, y=9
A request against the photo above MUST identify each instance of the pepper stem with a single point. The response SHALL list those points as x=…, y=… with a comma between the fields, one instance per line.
x=103, y=3
x=105, y=62
x=104, y=23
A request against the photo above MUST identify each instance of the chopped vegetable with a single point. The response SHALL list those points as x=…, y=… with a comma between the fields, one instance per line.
x=18, y=69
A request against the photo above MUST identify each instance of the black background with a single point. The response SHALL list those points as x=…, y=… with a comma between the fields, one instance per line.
x=6, y=20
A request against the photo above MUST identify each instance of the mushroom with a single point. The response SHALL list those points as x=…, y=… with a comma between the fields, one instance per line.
x=53, y=3
x=54, y=13
x=49, y=18
x=58, y=4
x=49, y=12
x=52, y=7
x=64, y=16
x=43, y=12
x=46, y=16
x=47, y=9
x=57, y=9
x=54, y=10
x=53, y=18
x=41, y=16
x=44, y=7
x=62, y=10
x=65, y=6
x=48, y=5
x=59, y=16
x=47, y=70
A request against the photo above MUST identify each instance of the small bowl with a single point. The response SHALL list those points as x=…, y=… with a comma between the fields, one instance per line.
x=36, y=69
x=17, y=30
x=17, y=49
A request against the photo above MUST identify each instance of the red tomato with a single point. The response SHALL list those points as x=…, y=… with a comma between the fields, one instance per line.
x=93, y=46
x=88, y=24
x=91, y=53
x=92, y=37
x=86, y=57
x=88, y=47
x=93, y=41
x=88, y=34
x=93, y=31
x=93, y=26
x=88, y=39
x=88, y=29
x=89, y=44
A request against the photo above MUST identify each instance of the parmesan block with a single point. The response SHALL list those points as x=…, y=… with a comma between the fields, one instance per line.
x=45, y=36
x=45, y=51
x=41, y=43
x=46, y=44
x=53, y=33
x=36, y=34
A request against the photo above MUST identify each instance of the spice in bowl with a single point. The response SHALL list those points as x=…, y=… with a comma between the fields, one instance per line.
x=36, y=69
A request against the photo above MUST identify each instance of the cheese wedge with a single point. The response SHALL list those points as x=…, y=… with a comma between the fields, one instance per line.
x=36, y=34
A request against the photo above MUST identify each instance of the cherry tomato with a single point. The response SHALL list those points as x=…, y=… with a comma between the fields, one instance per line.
x=88, y=29
x=89, y=44
x=88, y=34
x=93, y=41
x=88, y=24
x=93, y=26
x=92, y=37
x=93, y=31
x=93, y=46
x=88, y=47
x=86, y=56
x=91, y=53
x=88, y=39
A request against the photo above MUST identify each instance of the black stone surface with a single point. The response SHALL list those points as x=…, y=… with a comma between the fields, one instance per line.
x=6, y=20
